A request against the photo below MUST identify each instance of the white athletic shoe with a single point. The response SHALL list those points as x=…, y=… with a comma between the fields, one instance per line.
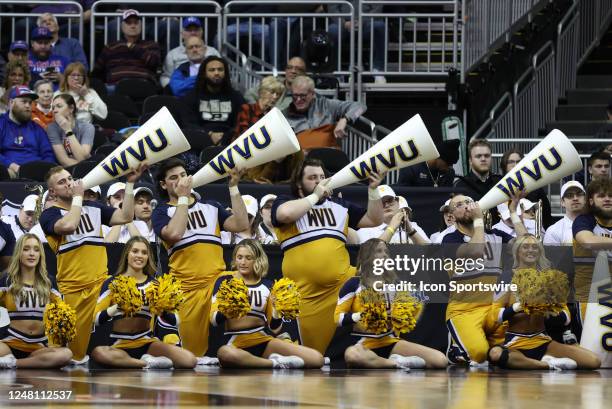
x=8, y=362
x=286, y=362
x=83, y=361
x=326, y=361
x=208, y=361
x=412, y=362
x=560, y=364
x=156, y=362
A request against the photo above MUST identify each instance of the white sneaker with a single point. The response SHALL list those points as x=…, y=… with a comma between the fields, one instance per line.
x=8, y=362
x=208, y=361
x=379, y=79
x=286, y=362
x=83, y=361
x=413, y=362
x=156, y=362
x=326, y=361
x=559, y=364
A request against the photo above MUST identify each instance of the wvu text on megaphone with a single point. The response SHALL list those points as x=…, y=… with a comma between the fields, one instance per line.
x=119, y=162
x=362, y=169
x=226, y=158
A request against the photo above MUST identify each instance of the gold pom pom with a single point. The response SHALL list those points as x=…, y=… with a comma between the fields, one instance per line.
x=60, y=323
x=165, y=294
x=233, y=298
x=373, y=311
x=171, y=339
x=124, y=293
x=286, y=298
x=404, y=313
x=541, y=292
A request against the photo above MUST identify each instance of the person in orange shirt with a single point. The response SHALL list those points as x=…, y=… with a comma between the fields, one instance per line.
x=42, y=113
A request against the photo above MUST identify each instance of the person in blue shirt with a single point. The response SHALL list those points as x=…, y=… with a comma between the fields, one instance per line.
x=64, y=46
x=184, y=77
x=21, y=139
x=43, y=63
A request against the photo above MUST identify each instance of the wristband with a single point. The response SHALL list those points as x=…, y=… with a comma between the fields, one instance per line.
x=233, y=190
x=373, y=194
x=183, y=200
x=391, y=230
x=478, y=223
x=77, y=201
x=69, y=134
x=129, y=189
x=312, y=199
x=515, y=219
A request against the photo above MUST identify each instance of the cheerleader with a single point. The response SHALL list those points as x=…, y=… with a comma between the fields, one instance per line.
x=25, y=291
x=377, y=350
x=134, y=345
x=252, y=342
x=527, y=345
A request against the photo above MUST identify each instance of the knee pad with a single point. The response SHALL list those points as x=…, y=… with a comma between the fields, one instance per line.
x=502, y=361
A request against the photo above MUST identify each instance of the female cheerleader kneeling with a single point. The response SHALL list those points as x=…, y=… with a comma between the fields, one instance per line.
x=25, y=291
x=527, y=345
x=134, y=345
x=251, y=342
x=377, y=350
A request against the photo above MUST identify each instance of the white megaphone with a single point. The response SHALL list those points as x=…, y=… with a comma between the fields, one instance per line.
x=269, y=139
x=157, y=139
x=551, y=160
x=407, y=145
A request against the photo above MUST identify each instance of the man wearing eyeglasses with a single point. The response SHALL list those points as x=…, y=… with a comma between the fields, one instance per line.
x=319, y=121
x=294, y=68
x=70, y=48
x=471, y=317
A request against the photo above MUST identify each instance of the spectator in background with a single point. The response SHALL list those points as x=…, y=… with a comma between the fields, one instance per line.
x=43, y=63
x=252, y=232
x=42, y=108
x=18, y=51
x=141, y=225
x=24, y=220
x=266, y=230
x=605, y=132
x=213, y=103
x=480, y=179
x=89, y=104
x=294, y=68
x=598, y=165
x=192, y=27
x=270, y=89
x=66, y=47
x=184, y=77
x=70, y=139
x=573, y=200
x=130, y=58
x=508, y=161
x=434, y=172
x=21, y=139
x=319, y=121
x=17, y=73
x=447, y=224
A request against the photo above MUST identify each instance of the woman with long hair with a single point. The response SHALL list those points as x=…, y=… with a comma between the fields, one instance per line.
x=372, y=350
x=70, y=139
x=527, y=345
x=17, y=72
x=25, y=290
x=88, y=102
x=134, y=345
x=252, y=342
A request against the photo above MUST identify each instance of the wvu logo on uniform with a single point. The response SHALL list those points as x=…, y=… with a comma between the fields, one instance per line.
x=255, y=298
x=196, y=220
x=85, y=225
x=28, y=299
x=321, y=217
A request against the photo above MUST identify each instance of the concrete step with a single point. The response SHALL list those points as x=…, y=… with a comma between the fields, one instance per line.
x=579, y=128
x=589, y=96
x=594, y=81
x=581, y=112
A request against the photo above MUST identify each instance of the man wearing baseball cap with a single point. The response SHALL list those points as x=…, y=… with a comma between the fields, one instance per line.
x=252, y=232
x=396, y=227
x=21, y=139
x=43, y=63
x=573, y=199
x=447, y=226
x=23, y=222
x=70, y=48
x=131, y=57
x=192, y=27
x=18, y=51
x=266, y=230
x=141, y=225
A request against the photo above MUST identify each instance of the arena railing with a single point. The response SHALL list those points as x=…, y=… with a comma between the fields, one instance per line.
x=595, y=17
x=567, y=51
x=553, y=190
x=282, y=29
x=27, y=19
x=416, y=43
x=171, y=23
x=490, y=23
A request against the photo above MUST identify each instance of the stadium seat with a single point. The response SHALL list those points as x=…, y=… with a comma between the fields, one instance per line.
x=145, y=117
x=153, y=103
x=333, y=159
x=137, y=89
x=198, y=139
x=123, y=104
x=99, y=86
x=105, y=149
x=83, y=168
x=115, y=120
x=100, y=139
x=35, y=170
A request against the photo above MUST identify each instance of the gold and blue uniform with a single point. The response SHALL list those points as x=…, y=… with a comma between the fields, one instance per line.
x=349, y=303
x=316, y=258
x=136, y=344
x=197, y=260
x=81, y=264
x=253, y=339
x=471, y=316
x=25, y=306
x=584, y=259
